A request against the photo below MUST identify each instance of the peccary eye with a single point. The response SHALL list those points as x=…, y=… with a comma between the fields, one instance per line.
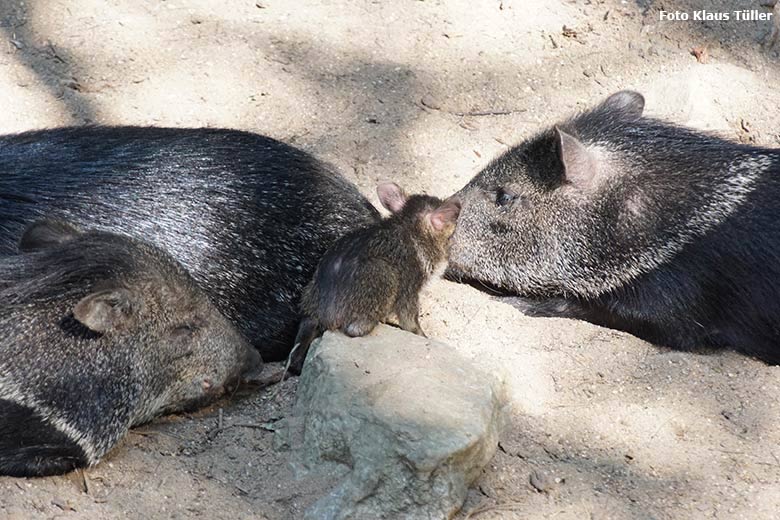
x=504, y=198
x=187, y=329
x=182, y=355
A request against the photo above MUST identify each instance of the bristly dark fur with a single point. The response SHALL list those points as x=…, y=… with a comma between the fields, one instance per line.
x=248, y=216
x=69, y=269
x=30, y=446
x=374, y=272
x=636, y=224
x=68, y=393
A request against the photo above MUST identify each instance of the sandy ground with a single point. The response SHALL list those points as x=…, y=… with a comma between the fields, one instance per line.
x=424, y=92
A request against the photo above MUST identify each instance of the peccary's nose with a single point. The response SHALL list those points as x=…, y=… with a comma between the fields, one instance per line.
x=211, y=388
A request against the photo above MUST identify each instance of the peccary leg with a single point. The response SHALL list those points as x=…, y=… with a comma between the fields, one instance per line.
x=549, y=308
x=659, y=327
x=31, y=447
x=408, y=315
x=307, y=331
x=578, y=310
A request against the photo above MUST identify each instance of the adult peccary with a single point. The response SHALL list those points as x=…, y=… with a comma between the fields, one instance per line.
x=100, y=332
x=636, y=224
x=378, y=270
x=247, y=216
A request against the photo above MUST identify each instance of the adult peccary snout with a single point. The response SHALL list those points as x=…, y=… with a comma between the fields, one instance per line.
x=247, y=216
x=635, y=224
x=100, y=332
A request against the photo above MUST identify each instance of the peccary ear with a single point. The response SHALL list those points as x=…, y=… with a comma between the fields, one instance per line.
x=47, y=233
x=627, y=103
x=391, y=196
x=105, y=310
x=445, y=214
x=579, y=165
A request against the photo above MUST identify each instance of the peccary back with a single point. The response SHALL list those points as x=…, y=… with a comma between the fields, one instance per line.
x=247, y=216
x=99, y=332
x=636, y=224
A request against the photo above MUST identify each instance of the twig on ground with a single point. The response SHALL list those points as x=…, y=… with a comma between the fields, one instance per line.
x=496, y=508
x=216, y=431
x=286, y=369
x=150, y=433
x=474, y=113
x=85, y=482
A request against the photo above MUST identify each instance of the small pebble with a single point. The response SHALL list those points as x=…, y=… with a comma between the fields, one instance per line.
x=541, y=481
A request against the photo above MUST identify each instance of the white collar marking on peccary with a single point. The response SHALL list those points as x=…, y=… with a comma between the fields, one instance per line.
x=742, y=176
x=12, y=392
x=731, y=192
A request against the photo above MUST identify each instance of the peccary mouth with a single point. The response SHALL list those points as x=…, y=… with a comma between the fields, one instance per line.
x=243, y=379
x=456, y=274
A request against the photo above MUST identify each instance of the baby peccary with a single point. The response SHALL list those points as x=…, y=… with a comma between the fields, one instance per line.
x=99, y=332
x=635, y=224
x=378, y=270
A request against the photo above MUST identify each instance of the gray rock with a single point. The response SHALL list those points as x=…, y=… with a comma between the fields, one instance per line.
x=408, y=422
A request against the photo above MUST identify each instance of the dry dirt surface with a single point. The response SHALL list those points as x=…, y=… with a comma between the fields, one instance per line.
x=426, y=93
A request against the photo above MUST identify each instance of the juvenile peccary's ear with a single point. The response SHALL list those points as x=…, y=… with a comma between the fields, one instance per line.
x=391, y=196
x=627, y=103
x=446, y=214
x=47, y=233
x=579, y=165
x=105, y=310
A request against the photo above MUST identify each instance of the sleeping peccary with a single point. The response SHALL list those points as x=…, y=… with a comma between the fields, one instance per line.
x=100, y=332
x=378, y=270
x=635, y=224
x=248, y=217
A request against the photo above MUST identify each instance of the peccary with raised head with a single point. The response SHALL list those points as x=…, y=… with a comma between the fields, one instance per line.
x=249, y=217
x=379, y=270
x=635, y=224
x=100, y=332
